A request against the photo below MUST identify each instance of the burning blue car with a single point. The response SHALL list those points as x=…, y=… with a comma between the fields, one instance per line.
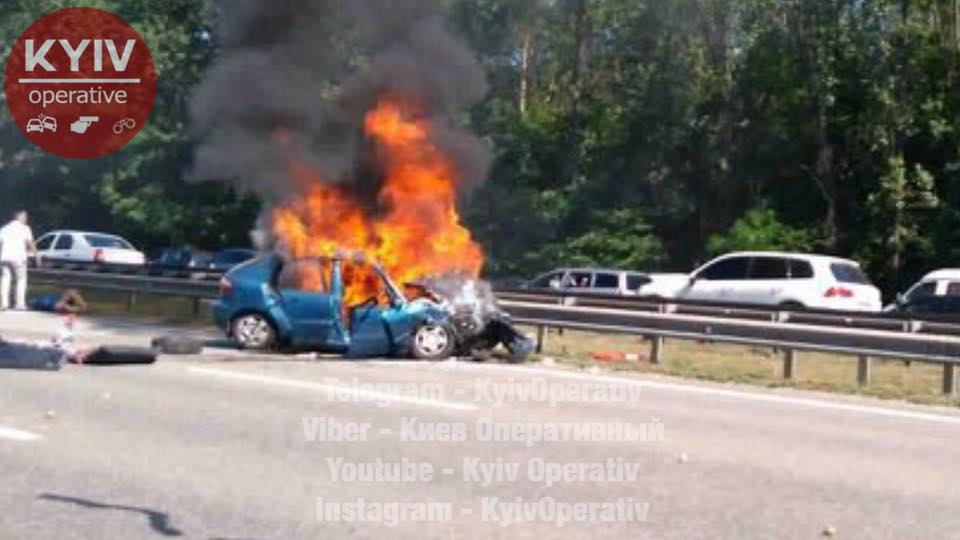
x=263, y=306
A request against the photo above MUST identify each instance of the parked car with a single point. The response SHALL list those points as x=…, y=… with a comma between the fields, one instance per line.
x=88, y=247
x=263, y=306
x=794, y=280
x=180, y=258
x=224, y=261
x=610, y=281
x=936, y=296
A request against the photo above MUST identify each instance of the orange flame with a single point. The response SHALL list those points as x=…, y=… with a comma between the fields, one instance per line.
x=418, y=233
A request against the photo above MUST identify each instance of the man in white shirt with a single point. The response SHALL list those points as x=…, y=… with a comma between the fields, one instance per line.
x=16, y=244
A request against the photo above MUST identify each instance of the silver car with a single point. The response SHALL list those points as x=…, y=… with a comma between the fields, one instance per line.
x=611, y=281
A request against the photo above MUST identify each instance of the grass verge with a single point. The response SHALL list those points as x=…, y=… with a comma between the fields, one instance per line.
x=890, y=379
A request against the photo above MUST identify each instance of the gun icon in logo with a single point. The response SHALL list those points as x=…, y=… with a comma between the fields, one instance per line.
x=82, y=123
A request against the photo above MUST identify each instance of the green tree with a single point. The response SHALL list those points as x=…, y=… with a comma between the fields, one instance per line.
x=904, y=197
x=761, y=230
x=618, y=239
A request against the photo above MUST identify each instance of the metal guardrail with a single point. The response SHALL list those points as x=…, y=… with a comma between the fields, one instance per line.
x=784, y=335
x=166, y=286
x=862, y=335
x=153, y=270
x=133, y=285
x=758, y=312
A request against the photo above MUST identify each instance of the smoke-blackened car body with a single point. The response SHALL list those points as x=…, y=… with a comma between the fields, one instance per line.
x=263, y=305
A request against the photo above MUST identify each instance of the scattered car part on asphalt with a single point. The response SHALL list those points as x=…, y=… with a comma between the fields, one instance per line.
x=177, y=345
x=16, y=355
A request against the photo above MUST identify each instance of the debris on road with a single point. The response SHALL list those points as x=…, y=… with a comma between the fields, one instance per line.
x=614, y=356
x=118, y=355
x=15, y=355
x=608, y=356
x=177, y=345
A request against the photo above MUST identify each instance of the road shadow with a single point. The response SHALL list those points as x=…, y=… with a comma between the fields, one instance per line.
x=159, y=521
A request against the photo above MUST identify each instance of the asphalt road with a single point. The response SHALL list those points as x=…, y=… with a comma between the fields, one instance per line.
x=234, y=446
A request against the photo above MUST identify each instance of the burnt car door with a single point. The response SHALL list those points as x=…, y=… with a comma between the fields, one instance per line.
x=309, y=304
x=380, y=326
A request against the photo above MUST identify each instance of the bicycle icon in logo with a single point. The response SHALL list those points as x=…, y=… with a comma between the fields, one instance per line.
x=123, y=125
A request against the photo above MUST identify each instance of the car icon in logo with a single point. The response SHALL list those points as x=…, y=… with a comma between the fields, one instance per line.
x=42, y=124
x=49, y=123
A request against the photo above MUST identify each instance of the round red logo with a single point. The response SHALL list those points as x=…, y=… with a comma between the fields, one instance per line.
x=80, y=83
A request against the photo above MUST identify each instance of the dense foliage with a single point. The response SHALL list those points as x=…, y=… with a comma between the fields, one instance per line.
x=639, y=133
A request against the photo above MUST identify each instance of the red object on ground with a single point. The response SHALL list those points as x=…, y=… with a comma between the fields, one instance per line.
x=609, y=356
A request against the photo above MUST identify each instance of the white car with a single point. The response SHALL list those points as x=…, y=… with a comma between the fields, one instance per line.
x=943, y=282
x=610, y=281
x=80, y=246
x=792, y=280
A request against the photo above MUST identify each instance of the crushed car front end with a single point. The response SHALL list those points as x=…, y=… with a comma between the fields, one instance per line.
x=470, y=309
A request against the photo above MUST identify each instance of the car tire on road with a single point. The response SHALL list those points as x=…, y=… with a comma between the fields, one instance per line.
x=177, y=345
x=433, y=342
x=119, y=356
x=253, y=332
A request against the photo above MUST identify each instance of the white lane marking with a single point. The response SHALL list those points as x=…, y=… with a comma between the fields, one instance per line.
x=372, y=395
x=17, y=435
x=721, y=392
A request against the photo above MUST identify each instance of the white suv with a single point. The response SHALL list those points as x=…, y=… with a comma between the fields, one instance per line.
x=792, y=280
x=91, y=247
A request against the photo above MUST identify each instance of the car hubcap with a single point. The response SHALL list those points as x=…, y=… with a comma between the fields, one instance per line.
x=253, y=331
x=432, y=340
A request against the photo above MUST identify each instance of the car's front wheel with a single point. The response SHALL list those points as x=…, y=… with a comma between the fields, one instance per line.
x=253, y=331
x=433, y=342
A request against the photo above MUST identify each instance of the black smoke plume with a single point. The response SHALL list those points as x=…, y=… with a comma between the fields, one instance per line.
x=293, y=79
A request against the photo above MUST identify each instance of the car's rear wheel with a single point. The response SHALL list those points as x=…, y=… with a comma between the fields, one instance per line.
x=433, y=342
x=253, y=331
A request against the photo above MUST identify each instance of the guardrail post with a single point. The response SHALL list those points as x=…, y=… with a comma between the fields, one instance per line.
x=789, y=363
x=950, y=379
x=541, y=338
x=656, y=350
x=864, y=367
x=131, y=301
x=196, y=307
